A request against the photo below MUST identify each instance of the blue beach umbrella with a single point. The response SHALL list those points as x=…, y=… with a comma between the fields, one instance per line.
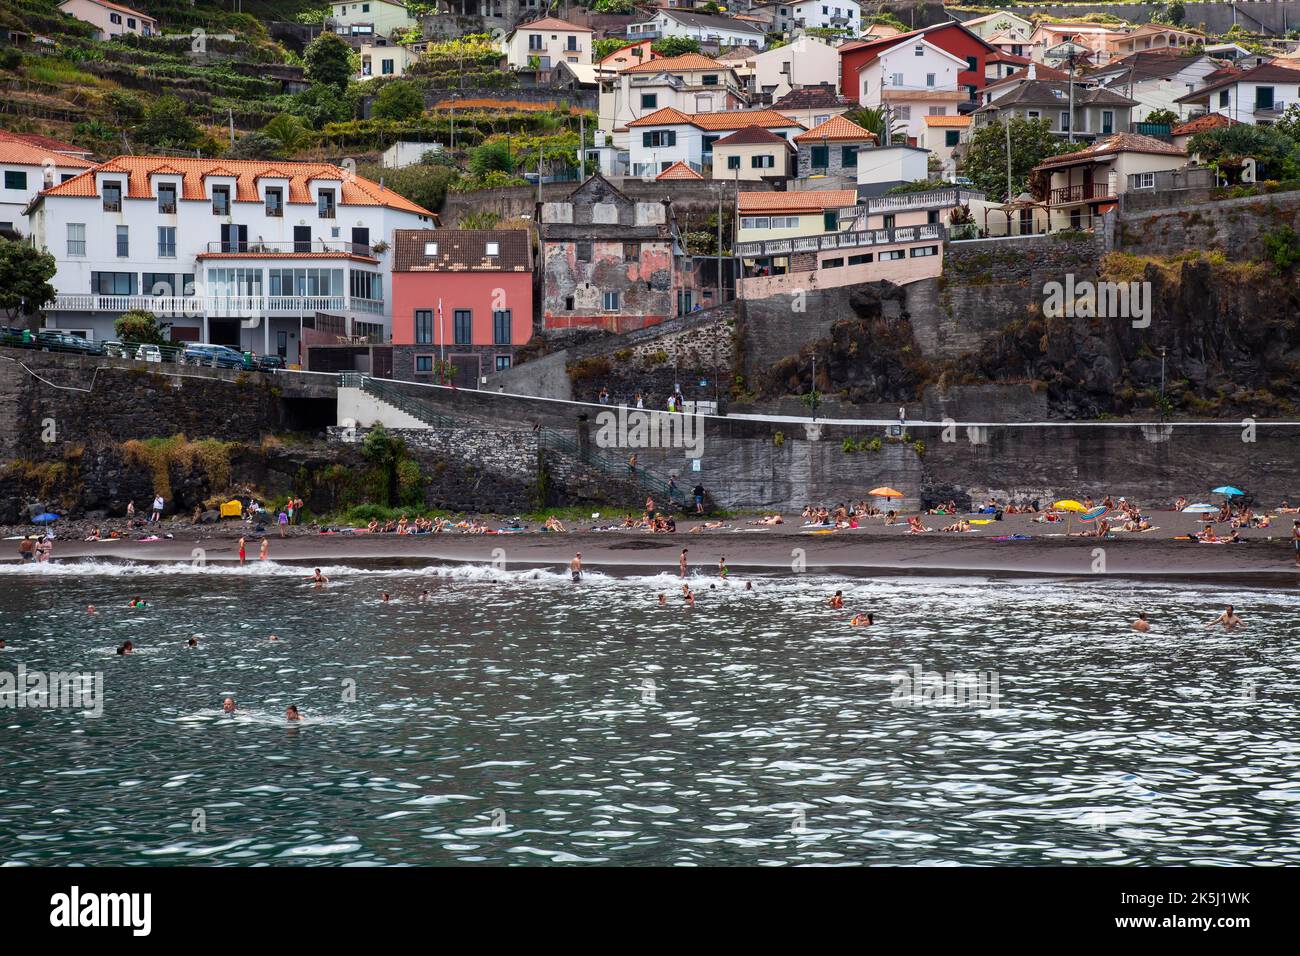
x=1226, y=490
x=45, y=518
x=1092, y=514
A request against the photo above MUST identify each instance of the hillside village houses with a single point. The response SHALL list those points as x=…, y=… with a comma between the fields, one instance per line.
x=941, y=137
x=256, y=255
x=713, y=31
x=110, y=19
x=1257, y=95
x=1083, y=185
x=831, y=150
x=845, y=15
x=366, y=18
x=950, y=37
x=913, y=79
x=1098, y=110
x=28, y=164
x=668, y=136
x=1155, y=80
x=771, y=74
x=813, y=105
x=752, y=153
x=545, y=43
x=381, y=56
x=992, y=24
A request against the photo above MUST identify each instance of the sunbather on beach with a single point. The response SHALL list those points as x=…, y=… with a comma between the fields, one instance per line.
x=914, y=525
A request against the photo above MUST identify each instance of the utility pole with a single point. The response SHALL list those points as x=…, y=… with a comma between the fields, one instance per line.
x=231, y=112
x=1069, y=67
x=718, y=298
x=582, y=147
x=814, y=387
x=1163, y=350
x=1008, y=125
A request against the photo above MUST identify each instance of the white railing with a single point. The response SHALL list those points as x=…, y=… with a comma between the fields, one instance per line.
x=840, y=240
x=218, y=305
x=903, y=202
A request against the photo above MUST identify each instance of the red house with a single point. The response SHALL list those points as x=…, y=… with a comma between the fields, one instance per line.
x=951, y=37
x=462, y=302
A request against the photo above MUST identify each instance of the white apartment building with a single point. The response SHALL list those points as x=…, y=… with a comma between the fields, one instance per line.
x=254, y=255
x=548, y=42
x=914, y=79
x=1259, y=95
x=110, y=19
x=804, y=61
x=368, y=18
x=843, y=15
x=670, y=136
x=28, y=164
x=710, y=29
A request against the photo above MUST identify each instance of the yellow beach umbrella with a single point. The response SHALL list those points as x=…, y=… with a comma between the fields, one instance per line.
x=1069, y=504
x=885, y=493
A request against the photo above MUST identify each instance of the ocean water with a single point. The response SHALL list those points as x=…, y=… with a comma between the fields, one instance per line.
x=515, y=718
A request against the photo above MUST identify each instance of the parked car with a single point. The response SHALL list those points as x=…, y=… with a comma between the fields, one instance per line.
x=270, y=362
x=217, y=356
x=52, y=340
x=149, y=353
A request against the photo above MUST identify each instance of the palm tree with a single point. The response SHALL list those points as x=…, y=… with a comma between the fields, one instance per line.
x=873, y=119
x=288, y=133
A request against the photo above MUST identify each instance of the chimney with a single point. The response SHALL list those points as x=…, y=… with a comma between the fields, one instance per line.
x=1033, y=70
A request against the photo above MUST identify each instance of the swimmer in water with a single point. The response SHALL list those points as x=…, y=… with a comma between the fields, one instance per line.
x=688, y=595
x=1228, y=619
x=192, y=642
x=722, y=567
x=137, y=602
x=1142, y=624
x=272, y=638
x=662, y=600
x=319, y=578
x=837, y=600
x=292, y=713
x=749, y=585
x=229, y=705
x=2, y=643
x=383, y=595
x=126, y=649
x=90, y=609
x=575, y=567
x=862, y=620
x=424, y=596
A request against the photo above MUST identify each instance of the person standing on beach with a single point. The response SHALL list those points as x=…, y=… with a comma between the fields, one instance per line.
x=1295, y=541
x=698, y=492
x=283, y=519
x=575, y=567
x=264, y=550
x=156, y=516
x=681, y=562
x=1142, y=624
x=1228, y=619
x=130, y=513
x=242, y=554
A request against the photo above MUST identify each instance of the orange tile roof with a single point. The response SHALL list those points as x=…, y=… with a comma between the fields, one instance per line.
x=815, y=200
x=729, y=119
x=19, y=153
x=687, y=62
x=1120, y=143
x=1202, y=123
x=355, y=192
x=953, y=121
x=679, y=170
x=551, y=23
x=44, y=142
x=837, y=129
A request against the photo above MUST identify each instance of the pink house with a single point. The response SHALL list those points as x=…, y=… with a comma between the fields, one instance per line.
x=462, y=302
x=110, y=19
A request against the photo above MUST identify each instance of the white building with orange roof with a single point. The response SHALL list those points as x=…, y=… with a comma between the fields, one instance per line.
x=631, y=55
x=711, y=29
x=913, y=79
x=831, y=149
x=545, y=43
x=669, y=136
x=255, y=255
x=28, y=164
x=110, y=19
x=942, y=135
x=753, y=154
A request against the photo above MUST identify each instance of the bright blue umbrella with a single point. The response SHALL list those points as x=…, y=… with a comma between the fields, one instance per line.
x=43, y=519
x=1226, y=490
x=1092, y=514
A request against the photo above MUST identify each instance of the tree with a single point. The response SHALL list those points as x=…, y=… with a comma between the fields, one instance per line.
x=675, y=46
x=287, y=132
x=167, y=125
x=253, y=146
x=320, y=104
x=140, y=326
x=613, y=6
x=1032, y=141
x=489, y=157
x=398, y=100
x=1289, y=122
x=424, y=185
x=25, y=274
x=1229, y=146
x=1162, y=118
x=328, y=60
x=872, y=119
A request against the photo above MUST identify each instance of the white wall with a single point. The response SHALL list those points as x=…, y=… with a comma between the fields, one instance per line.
x=900, y=71
x=811, y=61
x=554, y=47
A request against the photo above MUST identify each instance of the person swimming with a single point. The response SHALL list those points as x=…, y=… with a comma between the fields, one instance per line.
x=862, y=620
x=384, y=596
x=272, y=638
x=228, y=705
x=575, y=567
x=1142, y=624
x=137, y=602
x=749, y=585
x=662, y=600
x=292, y=713
x=90, y=609
x=319, y=578
x=837, y=600
x=424, y=596
x=192, y=642
x=125, y=649
x=1228, y=619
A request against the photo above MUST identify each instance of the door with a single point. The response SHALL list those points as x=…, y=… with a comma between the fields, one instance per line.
x=282, y=344
x=465, y=370
x=302, y=238
x=234, y=238
x=360, y=241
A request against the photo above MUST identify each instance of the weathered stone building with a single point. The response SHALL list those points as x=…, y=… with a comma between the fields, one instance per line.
x=606, y=260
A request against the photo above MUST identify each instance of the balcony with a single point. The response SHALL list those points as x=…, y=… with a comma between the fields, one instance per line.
x=839, y=240
x=289, y=248
x=1080, y=193
x=909, y=202
x=228, y=306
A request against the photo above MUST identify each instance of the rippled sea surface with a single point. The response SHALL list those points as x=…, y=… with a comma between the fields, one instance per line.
x=515, y=718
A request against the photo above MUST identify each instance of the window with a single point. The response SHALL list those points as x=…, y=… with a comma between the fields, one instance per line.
x=733, y=162
x=860, y=260
x=929, y=79
x=631, y=252
x=534, y=42
x=649, y=101
x=115, y=18
x=166, y=242
x=820, y=157
x=430, y=248
x=166, y=284
x=501, y=322
x=848, y=156
x=896, y=79
x=112, y=197
x=325, y=204
x=1263, y=97
x=274, y=201
x=951, y=137
x=167, y=198
x=918, y=50
x=76, y=238
x=423, y=327
x=221, y=200
x=1142, y=181
x=937, y=111
x=492, y=249
x=972, y=63
x=889, y=255
x=1223, y=98
x=1065, y=121
x=463, y=320
x=706, y=144
x=571, y=43
x=610, y=303
x=583, y=251
x=831, y=220
x=762, y=162
x=887, y=221
x=112, y=283
x=130, y=23
x=234, y=238
x=503, y=362
x=922, y=251
x=360, y=241
x=302, y=238
x=124, y=242
x=903, y=113
x=1033, y=114
x=386, y=67
x=366, y=285
x=15, y=179
x=424, y=363
x=659, y=138
x=710, y=79
x=1107, y=122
